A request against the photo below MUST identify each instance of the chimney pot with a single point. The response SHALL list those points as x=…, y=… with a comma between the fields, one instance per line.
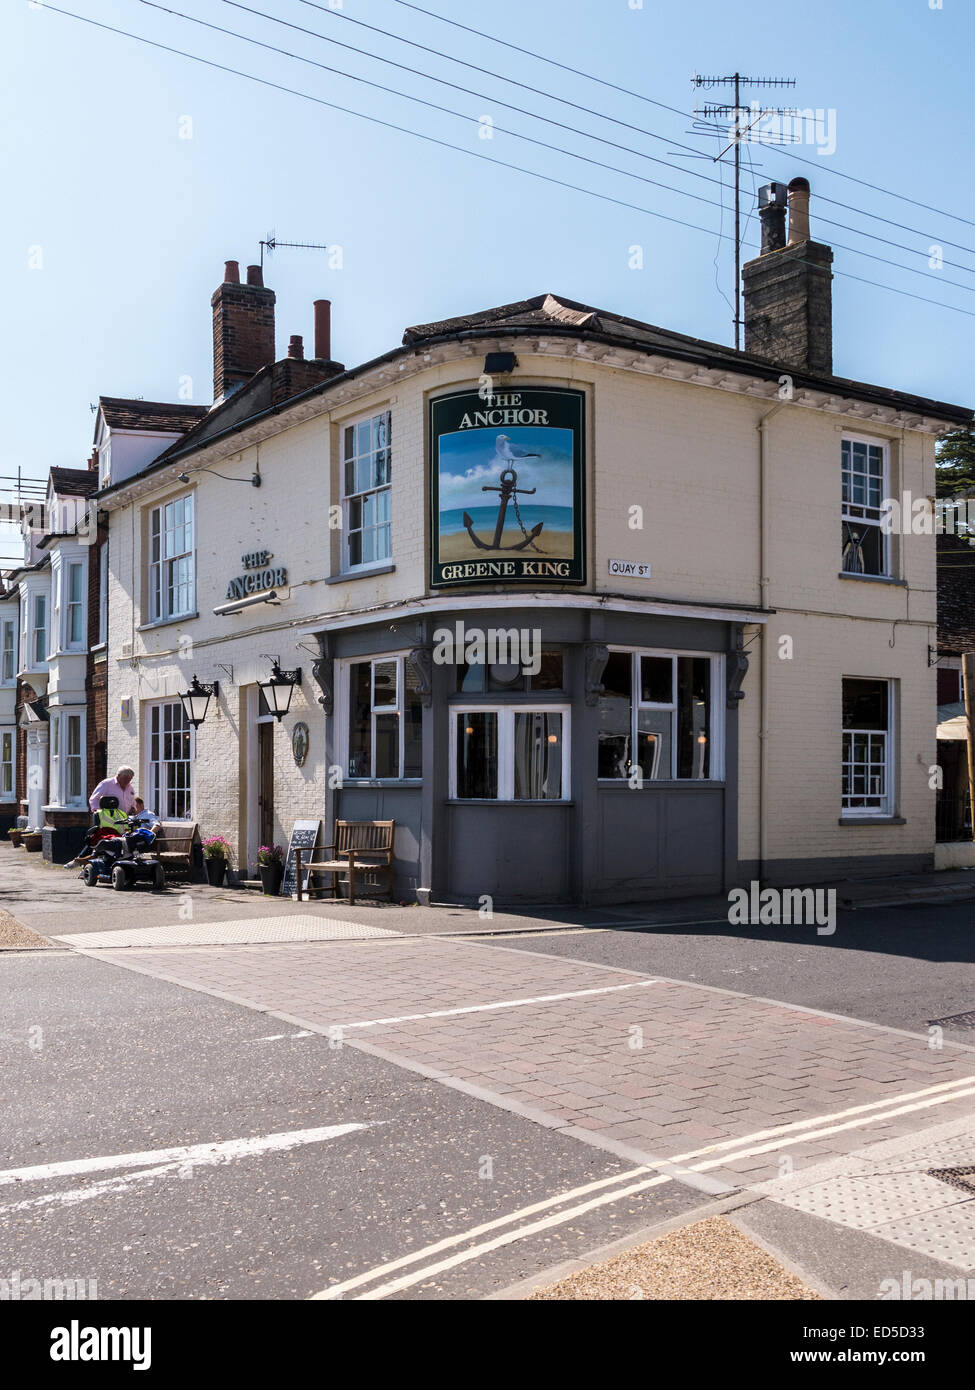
x=231, y=273
x=798, y=211
x=323, y=329
x=296, y=347
x=255, y=275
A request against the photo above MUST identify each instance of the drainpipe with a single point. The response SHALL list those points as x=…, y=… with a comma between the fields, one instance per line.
x=764, y=546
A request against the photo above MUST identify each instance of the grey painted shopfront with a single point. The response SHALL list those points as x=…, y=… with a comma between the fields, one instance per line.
x=539, y=792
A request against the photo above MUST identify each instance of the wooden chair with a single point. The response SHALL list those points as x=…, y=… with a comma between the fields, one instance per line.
x=363, y=847
x=174, y=845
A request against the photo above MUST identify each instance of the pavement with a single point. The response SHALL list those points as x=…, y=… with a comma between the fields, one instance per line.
x=623, y=1072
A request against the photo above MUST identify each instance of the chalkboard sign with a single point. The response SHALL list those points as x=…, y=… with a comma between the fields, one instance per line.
x=304, y=836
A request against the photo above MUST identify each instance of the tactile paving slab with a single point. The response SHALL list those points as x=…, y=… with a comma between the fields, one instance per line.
x=243, y=931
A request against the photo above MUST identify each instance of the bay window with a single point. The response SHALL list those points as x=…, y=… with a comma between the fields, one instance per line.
x=385, y=719
x=867, y=748
x=67, y=744
x=74, y=605
x=8, y=651
x=6, y=764
x=655, y=718
x=366, y=465
x=172, y=560
x=509, y=753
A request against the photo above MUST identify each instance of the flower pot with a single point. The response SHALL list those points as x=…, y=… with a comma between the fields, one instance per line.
x=216, y=865
x=32, y=840
x=271, y=876
x=15, y=836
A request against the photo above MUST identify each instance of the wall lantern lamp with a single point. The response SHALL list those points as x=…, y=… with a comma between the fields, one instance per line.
x=279, y=688
x=196, y=700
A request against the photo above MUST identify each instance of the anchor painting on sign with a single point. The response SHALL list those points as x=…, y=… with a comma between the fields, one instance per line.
x=508, y=487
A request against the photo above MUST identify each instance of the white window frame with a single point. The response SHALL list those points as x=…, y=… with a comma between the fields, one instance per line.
x=69, y=644
x=38, y=631
x=159, y=572
x=506, y=711
x=884, y=810
x=61, y=758
x=156, y=782
x=8, y=764
x=344, y=723
x=103, y=595
x=716, y=767
x=347, y=567
x=864, y=514
x=8, y=650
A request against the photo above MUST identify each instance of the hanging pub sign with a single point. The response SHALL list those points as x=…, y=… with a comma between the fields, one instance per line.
x=507, y=485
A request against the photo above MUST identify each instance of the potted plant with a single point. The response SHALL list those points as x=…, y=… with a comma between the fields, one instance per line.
x=14, y=835
x=270, y=862
x=216, y=855
x=32, y=841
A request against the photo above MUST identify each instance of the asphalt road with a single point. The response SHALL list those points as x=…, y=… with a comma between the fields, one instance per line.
x=100, y=1062
x=898, y=966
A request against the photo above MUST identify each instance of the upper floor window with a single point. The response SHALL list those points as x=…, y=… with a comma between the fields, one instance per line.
x=366, y=464
x=8, y=651
x=74, y=605
x=38, y=643
x=866, y=484
x=103, y=595
x=172, y=560
x=655, y=718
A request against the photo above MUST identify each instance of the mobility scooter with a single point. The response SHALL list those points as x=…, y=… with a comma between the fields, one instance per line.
x=121, y=852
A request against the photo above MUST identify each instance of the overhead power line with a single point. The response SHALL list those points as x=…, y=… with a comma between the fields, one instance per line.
x=642, y=96
x=537, y=116
x=533, y=140
x=48, y=8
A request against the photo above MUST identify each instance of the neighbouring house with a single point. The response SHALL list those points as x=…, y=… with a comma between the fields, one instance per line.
x=594, y=610
x=956, y=636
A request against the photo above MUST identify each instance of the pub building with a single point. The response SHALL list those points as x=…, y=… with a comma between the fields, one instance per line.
x=593, y=610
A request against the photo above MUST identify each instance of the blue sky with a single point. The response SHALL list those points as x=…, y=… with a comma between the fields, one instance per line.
x=116, y=229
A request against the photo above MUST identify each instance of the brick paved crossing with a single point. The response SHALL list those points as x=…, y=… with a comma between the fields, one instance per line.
x=663, y=1066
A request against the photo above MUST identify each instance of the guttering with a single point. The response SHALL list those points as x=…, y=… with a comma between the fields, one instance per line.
x=707, y=356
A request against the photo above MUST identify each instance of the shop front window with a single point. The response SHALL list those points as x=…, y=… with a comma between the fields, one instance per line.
x=510, y=754
x=655, y=718
x=385, y=720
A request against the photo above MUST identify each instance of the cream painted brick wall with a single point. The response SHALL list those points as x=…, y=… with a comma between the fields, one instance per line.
x=689, y=456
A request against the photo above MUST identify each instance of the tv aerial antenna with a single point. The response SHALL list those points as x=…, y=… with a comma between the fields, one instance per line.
x=743, y=119
x=272, y=244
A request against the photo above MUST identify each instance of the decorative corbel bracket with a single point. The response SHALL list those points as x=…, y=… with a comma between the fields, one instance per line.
x=421, y=659
x=596, y=657
x=737, y=669
x=322, y=669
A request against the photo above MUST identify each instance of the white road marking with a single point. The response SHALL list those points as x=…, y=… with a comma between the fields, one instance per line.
x=499, y=1004
x=279, y=1037
x=801, y=1131
x=195, y=1155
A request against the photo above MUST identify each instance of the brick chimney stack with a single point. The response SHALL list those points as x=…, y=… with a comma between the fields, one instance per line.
x=243, y=329
x=788, y=288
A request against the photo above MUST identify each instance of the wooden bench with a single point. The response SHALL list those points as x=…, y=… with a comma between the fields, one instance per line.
x=363, y=847
x=174, y=845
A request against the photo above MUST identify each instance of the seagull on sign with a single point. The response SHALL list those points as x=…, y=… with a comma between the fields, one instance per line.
x=504, y=449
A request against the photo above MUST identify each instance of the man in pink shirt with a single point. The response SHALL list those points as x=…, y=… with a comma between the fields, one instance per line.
x=120, y=785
